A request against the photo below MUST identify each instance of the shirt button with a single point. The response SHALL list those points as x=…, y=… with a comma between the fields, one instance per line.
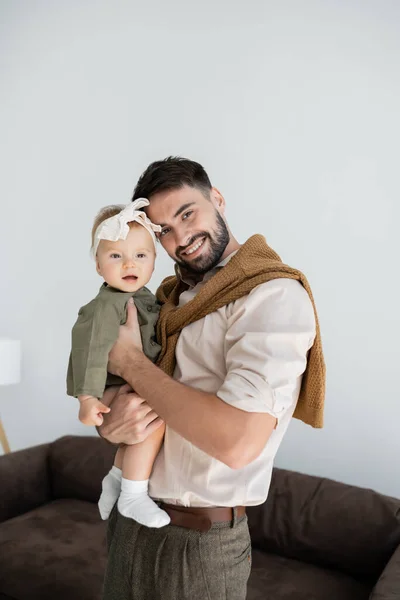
x=152, y=342
x=149, y=308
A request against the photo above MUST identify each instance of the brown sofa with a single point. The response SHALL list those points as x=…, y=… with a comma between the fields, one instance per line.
x=314, y=539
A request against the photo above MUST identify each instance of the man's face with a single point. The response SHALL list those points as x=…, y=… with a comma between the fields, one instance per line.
x=193, y=232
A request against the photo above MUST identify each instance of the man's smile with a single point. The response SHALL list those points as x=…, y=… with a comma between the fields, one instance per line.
x=194, y=248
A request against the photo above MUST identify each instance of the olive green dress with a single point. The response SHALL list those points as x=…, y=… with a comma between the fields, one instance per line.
x=96, y=331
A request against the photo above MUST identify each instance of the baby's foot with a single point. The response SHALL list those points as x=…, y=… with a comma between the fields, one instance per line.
x=135, y=503
x=111, y=489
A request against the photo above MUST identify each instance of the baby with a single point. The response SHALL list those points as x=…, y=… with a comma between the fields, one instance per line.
x=124, y=248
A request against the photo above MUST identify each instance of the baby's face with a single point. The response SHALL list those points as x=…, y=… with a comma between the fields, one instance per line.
x=127, y=265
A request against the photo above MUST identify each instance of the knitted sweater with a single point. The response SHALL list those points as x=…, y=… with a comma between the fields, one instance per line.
x=254, y=263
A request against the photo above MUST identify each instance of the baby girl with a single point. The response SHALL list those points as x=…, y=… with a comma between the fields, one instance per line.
x=124, y=248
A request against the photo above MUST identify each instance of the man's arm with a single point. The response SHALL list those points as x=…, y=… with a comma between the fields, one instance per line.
x=268, y=338
x=229, y=434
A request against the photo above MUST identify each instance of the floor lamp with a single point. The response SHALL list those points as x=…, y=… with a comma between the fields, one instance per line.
x=10, y=373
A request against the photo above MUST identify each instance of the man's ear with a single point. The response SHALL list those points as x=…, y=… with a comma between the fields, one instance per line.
x=218, y=200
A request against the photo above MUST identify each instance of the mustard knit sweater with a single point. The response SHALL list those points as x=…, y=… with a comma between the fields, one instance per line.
x=253, y=264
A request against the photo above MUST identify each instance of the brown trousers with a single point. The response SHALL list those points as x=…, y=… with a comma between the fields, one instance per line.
x=175, y=563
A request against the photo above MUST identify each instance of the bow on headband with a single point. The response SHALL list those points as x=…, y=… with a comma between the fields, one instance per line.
x=117, y=228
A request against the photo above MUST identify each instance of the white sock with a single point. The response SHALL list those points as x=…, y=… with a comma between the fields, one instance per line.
x=111, y=489
x=135, y=503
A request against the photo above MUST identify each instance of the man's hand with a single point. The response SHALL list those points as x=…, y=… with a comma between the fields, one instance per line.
x=129, y=341
x=131, y=419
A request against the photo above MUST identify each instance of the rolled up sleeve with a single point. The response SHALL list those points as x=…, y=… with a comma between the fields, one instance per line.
x=269, y=334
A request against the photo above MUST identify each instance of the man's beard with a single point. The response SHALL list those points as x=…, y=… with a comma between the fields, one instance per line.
x=218, y=241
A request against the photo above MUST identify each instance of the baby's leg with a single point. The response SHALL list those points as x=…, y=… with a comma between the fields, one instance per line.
x=111, y=485
x=134, y=501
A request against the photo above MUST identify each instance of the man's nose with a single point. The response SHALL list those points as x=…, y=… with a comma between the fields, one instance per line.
x=182, y=237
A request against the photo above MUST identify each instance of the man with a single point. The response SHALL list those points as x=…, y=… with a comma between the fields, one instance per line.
x=237, y=369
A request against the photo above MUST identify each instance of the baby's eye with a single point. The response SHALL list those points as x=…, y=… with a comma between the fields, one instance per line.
x=141, y=255
x=115, y=255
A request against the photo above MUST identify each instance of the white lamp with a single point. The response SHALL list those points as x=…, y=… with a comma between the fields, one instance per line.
x=10, y=373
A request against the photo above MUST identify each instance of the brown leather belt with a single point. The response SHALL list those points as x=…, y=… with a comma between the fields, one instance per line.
x=200, y=518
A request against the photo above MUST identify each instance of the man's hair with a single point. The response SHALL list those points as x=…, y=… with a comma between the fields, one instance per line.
x=105, y=213
x=172, y=173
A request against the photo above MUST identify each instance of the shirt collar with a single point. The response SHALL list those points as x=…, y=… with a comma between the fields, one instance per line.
x=190, y=280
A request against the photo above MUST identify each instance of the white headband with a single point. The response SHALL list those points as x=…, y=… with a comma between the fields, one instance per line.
x=117, y=228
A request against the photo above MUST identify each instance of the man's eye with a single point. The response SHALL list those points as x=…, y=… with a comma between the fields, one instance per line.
x=187, y=214
x=164, y=232
x=114, y=255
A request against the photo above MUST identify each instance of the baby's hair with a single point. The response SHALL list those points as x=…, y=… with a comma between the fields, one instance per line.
x=105, y=213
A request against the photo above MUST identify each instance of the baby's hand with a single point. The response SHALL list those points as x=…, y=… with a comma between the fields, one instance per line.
x=91, y=409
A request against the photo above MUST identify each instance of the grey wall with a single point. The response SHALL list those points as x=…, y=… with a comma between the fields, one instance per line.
x=293, y=107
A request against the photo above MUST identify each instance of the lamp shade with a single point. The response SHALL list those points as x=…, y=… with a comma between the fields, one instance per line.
x=10, y=361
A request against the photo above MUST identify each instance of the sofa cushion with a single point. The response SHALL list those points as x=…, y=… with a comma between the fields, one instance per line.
x=327, y=523
x=388, y=584
x=24, y=481
x=53, y=551
x=78, y=465
x=283, y=578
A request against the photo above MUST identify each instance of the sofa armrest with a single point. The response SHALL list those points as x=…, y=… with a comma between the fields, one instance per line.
x=388, y=585
x=24, y=481
x=78, y=465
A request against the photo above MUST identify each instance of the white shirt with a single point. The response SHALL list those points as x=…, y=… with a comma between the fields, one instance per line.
x=251, y=353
